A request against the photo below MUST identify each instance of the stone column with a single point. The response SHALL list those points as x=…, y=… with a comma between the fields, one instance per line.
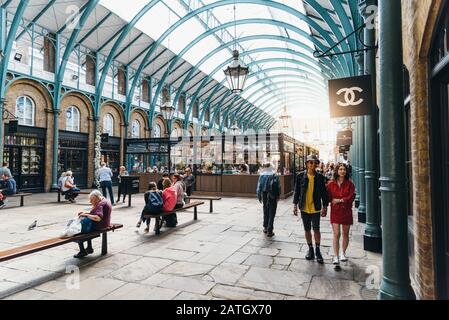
x=396, y=279
x=373, y=233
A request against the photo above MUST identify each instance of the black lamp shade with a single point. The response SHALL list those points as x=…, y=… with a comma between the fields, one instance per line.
x=236, y=74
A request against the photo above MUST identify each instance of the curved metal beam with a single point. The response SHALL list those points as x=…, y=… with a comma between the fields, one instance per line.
x=258, y=37
x=99, y=86
x=221, y=3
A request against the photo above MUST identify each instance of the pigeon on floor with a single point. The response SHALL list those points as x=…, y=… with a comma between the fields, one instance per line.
x=33, y=225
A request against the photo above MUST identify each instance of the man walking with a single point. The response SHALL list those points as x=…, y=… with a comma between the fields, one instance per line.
x=311, y=197
x=268, y=193
x=105, y=177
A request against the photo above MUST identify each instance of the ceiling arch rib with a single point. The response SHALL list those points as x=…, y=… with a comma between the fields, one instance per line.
x=273, y=4
x=205, y=35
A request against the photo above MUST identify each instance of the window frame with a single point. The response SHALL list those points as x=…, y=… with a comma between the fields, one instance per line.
x=33, y=111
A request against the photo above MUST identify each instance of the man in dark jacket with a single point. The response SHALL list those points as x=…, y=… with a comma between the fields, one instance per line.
x=312, y=199
x=268, y=193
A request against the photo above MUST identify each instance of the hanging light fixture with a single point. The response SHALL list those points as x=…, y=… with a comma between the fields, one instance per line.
x=237, y=72
x=285, y=118
x=234, y=129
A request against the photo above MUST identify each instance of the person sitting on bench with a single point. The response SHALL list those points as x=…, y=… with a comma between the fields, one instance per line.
x=169, y=197
x=68, y=188
x=9, y=185
x=153, y=205
x=100, y=216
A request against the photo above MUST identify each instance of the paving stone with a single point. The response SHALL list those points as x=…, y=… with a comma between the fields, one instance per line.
x=268, y=252
x=259, y=261
x=334, y=289
x=141, y=269
x=134, y=291
x=238, y=257
x=238, y=293
x=187, y=269
x=116, y=261
x=282, y=261
x=180, y=283
x=30, y=294
x=171, y=254
x=249, y=249
x=278, y=267
x=315, y=269
x=284, y=282
x=192, y=296
x=227, y=274
x=90, y=289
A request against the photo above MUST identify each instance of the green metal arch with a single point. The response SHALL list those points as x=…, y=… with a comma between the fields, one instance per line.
x=258, y=37
x=259, y=50
x=117, y=43
x=192, y=14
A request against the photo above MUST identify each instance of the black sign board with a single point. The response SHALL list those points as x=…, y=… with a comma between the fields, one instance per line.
x=104, y=137
x=344, y=138
x=350, y=97
x=130, y=184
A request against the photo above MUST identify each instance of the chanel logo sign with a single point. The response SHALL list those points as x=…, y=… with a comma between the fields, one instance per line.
x=350, y=97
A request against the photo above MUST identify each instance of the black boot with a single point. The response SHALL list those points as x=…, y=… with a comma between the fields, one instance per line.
x=319, y=257
x=310, y=255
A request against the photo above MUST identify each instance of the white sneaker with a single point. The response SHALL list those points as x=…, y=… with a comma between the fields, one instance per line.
x=343, y=258
x=336, y=261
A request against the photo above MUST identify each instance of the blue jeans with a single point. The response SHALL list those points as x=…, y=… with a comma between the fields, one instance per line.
x=107, y=185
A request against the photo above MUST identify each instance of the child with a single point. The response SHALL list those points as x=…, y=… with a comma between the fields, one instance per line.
x=153, y=204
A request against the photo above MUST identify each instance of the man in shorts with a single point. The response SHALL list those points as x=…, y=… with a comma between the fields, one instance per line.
x=312, y=199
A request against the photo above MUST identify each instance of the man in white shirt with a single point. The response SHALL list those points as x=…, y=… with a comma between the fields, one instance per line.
x=104, y=175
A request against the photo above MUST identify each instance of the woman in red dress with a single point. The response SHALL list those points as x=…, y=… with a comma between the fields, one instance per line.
x=341, y=192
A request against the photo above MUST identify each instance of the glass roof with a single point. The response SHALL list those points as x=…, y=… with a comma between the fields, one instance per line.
x=276, y=39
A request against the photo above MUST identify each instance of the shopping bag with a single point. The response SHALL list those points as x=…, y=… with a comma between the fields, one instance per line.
x=72, y=228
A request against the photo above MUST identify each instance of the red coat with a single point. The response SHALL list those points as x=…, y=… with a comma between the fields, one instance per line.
x=341, y=213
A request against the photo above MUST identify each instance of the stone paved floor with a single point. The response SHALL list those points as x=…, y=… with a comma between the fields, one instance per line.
x=223, y=255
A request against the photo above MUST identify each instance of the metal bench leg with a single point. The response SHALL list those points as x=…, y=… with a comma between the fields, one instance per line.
x=158, y=225
x=59, y=196
x=211, y=207
x=104, y=244
x=195, y=214
x=129, y=200
x=21, y=201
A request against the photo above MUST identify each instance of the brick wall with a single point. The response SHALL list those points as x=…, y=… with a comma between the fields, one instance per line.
x=419, y=18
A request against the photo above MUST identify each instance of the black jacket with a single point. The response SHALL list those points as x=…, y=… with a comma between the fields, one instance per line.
x=320, y=196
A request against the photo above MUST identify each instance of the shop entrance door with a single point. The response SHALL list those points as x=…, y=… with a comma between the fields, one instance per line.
x=112, y=160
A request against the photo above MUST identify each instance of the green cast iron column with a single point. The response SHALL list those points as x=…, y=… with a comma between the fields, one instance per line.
x=372, y=240
x=361, y=152
x=396, y=279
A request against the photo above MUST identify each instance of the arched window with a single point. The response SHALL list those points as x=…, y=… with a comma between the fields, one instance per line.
x=157, y=131
x=25, y=111
x=108, y=124
x=72, y=119
x=135, y=129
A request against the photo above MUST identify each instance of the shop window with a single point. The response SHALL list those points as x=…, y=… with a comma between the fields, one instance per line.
x=135, y=129
x=72, y=119
x=25, y=111
x=108, y=124
x=157, y=131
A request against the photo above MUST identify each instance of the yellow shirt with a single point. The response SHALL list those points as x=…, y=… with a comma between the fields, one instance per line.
x=309, y=206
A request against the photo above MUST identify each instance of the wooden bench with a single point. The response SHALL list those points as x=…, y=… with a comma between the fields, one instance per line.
x=79, y=192
x=211, y=199
x=158, y=217
x=55, y=242
x=21, y=195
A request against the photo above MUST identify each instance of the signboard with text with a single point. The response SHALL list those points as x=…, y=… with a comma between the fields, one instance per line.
x=344, y=138
x=350, y=97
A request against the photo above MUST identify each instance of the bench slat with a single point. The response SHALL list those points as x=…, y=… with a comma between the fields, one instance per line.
x=186, y=206
x=50, y=243
x=203, y=198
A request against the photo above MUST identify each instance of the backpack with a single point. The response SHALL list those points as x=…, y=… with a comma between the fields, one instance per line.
x=154, y=204
x=272, y=187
